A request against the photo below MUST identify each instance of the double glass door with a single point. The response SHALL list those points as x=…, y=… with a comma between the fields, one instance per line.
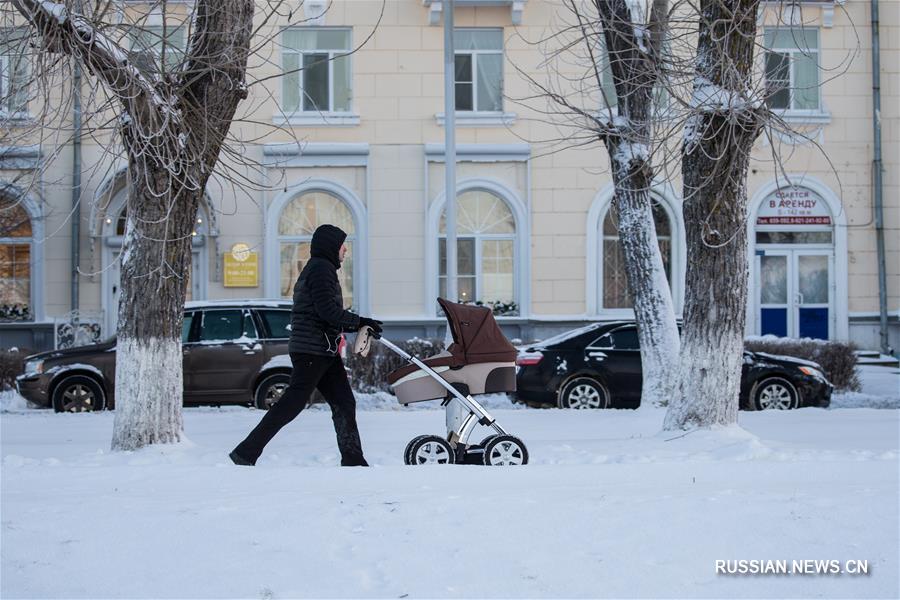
x=794, y=294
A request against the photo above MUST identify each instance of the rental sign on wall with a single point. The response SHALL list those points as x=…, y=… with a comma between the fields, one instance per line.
x=793, y=206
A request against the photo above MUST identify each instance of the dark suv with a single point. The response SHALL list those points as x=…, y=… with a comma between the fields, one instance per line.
x=235, y=352
x=599, y=366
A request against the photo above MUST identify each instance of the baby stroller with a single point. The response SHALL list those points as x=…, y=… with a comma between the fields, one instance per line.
x=479, y=361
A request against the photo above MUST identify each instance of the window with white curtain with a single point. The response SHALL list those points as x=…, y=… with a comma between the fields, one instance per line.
x=486, y=239
x=792, y=68
x=299, y=219
x=317, y=76
x=479, y=69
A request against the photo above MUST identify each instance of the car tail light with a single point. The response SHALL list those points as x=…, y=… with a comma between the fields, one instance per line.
x=528, y=359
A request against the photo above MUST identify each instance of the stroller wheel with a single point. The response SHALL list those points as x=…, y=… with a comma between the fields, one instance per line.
x=431, y=450
x=505, y=450
x=407, y=454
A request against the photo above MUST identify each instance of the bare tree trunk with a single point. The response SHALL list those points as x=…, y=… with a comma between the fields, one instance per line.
x=173, y=124
x=644, y=271
x=635, y=53
x=156, y=256
x=715, y=156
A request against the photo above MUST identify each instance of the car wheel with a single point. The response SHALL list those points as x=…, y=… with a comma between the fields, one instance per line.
x=431, y=450
x=776, y=394
x=583, y=393
x=270, y=390
x=78, y=393
x=505, y=451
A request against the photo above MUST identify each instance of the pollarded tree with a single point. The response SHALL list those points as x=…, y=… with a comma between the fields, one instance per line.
x=162, y=84
x=172, y=125
x=727, y=115
x=607, y=65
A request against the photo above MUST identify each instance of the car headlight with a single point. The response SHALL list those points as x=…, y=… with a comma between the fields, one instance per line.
x=813, y=372
x=34, y=367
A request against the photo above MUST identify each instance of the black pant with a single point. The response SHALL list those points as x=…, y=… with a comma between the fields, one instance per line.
x=326, y=373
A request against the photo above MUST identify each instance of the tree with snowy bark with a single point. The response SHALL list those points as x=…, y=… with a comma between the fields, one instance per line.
x=726, y=117
x=624, y=40
x=672, y=88
x=168, y=108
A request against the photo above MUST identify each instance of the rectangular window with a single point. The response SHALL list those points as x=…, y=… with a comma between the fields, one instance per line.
x=155, y=46
x=608, y=98
x=15, y=281
x=479, y=69
x=316, y=70
x=14, y=72
x=278, y=322
x=792, y=68
x=465, y=270
x=186, y=327
x=226, y=326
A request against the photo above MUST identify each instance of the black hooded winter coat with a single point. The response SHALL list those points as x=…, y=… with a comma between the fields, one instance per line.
x=318, y=317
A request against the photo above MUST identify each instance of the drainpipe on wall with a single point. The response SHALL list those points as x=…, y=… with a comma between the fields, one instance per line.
x=877, y=167
x=76, y=183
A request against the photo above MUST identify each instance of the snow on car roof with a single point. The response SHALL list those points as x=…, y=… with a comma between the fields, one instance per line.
x=249, y=302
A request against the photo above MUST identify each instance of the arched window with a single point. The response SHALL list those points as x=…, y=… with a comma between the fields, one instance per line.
x=486, y=241
x=615, y=285
x=296, y=224
x=15, y=262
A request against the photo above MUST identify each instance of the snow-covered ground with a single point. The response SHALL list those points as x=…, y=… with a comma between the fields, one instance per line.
x=608, y=507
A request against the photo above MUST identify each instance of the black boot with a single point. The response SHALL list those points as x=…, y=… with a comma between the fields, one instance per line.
x=240, y=460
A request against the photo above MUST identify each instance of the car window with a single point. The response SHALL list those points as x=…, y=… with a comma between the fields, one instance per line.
x=604, y=341
x=625, y=339
x=226, y=325
x=278, y=322
x=186, y=327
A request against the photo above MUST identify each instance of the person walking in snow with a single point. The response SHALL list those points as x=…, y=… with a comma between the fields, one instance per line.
x=317, y=320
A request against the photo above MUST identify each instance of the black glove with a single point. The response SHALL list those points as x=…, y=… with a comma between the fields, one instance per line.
x=373, y=323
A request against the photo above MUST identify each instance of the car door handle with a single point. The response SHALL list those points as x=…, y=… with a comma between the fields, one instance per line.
x=597, y=355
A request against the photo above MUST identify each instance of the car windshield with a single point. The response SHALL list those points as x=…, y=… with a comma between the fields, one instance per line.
x=567, y=335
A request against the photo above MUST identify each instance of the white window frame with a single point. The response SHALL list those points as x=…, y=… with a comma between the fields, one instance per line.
x=475, y=54
x=521, y=244
x=36, y=267
x=320, y=117
x=272, y=254
x=601, y=248
x=5, y=88
x=158, y=30
x=479, y=238
x=791, y=52
x=669, y=199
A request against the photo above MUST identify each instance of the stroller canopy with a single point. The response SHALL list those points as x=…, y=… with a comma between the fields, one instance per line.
x=476, y=336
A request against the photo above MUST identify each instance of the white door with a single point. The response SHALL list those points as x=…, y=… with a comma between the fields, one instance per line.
x=795, y=292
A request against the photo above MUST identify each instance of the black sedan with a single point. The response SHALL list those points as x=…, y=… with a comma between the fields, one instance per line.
x=599, y=366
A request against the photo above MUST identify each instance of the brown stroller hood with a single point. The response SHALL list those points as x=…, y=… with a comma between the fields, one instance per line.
x=476, y=339
x=476, y=336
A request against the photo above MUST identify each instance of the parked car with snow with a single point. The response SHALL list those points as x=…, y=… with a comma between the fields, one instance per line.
x=599, y=366
x=234, y=353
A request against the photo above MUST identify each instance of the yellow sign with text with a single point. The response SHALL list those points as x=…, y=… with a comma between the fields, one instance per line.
x=241, y=267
